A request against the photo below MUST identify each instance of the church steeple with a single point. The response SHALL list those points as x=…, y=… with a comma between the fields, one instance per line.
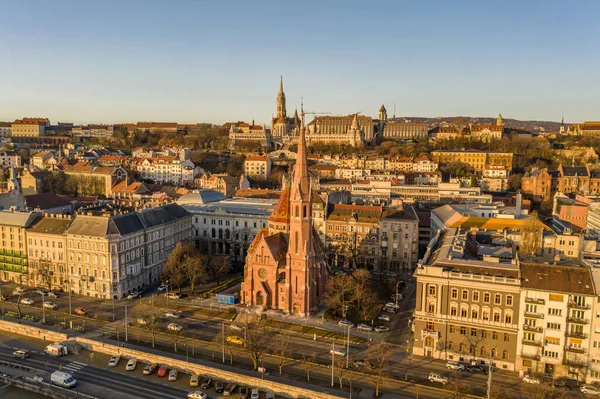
x=281, y=111
x=301, y=182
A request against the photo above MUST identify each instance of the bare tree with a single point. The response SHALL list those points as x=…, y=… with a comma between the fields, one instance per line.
x=217, y=266
x=339, y=365
x=257, y=341
x=193, y=269
x=16, y=301
x=339, y=293
x=308, y=363
x=379, y=355
x=148, y=319
x=281, y=349
x=456, y=385
x=176, y=335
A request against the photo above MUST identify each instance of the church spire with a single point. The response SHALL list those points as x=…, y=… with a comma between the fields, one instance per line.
x=281, y=112
x=281, y=83
x=301, y=181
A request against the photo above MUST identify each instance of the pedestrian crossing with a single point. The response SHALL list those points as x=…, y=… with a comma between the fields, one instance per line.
x=73, y=366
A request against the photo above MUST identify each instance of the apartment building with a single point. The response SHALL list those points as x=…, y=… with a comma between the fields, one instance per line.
x=555, y=319
x=477, y=159
x=538, y=183
x=5, y=129
x=257, y=166
x=96, y=131
x=404, y=130
x=399, y=239
x=101, y=179
x=9, y=159
x=30, y=127
x=166, y=169
x=47, y=252
x=111, y=255
x=13, y=246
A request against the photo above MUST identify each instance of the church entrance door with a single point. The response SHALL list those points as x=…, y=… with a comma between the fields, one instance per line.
x=260, y=299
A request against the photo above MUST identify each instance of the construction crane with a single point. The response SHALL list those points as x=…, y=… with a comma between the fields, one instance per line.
x=302, y=112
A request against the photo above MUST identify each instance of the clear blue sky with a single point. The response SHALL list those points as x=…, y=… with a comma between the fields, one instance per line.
x=216, y=61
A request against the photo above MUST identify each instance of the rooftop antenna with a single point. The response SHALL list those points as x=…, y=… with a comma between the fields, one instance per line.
x=394, y=110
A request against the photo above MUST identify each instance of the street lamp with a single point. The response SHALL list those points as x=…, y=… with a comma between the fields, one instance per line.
x=70, y=310
x=43, y=308
x=397, y=284
x=167, y=282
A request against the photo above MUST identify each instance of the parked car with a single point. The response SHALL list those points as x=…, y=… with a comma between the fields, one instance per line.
x=142, y=321
x=477, y=369
x=131, y=364
x=235, y=327
x=114, y=361
x=255, y=393
x=172, y=315
x=52, y=295
x=345, y=323
x=590, y=390
x=18, y=291
x=133, y=295
x=531, y=380
x=380, y=329
x=360, y=363
x=435, y=377
x=149, y=369
x=270, y=395
x=384, y=317
x=244, y=392
x=219, y=387
x=454, y=365
x=174, y=295
x=162, y=287
x=27, y=301
x=206, y=383
x=229, y=389
x=80, y=311
x=173, y=374
x=174, y=327
x=162, y=371
x=41, y=291
x=364, y=327
x=233, y=339
x=391, y=309
x=197, y=395
x=50, y=305
x=194, y=380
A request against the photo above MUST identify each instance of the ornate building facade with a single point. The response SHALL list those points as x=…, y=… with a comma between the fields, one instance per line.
x=285, y=266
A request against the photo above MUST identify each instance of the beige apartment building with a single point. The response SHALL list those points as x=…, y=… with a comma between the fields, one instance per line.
x=257, y=166
x=13, y=245
x=30, y=127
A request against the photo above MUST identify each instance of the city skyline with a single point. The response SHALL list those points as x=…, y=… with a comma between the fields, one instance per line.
x=201, y=62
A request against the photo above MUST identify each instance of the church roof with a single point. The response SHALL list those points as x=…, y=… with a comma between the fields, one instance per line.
x=382, y=109
x=278, y=245
x=281, y=213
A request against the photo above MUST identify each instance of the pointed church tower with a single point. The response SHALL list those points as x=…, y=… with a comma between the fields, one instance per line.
x=562, y=126
x=281, y=111
x=382, y=113
x=499, y=120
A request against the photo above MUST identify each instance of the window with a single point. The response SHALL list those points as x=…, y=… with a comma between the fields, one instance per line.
x=496, y=316
x=463, y=312
x=509, y=300
x=484, y=334
x=554, y=312
x=475, y=296
x=494, y=335
x=473, y=332
x=553, y=326
x=508, y=319
x=497, y=299
x=432, y=290
x=431, y=308
x=453, y=311
x=463, y=331
x=454, y=294
x=494, y=352
x=506, y=338
x=430, y=326
x=505, y=355
x=474, y=314
x=486, y=297
x=452, y=329
x=465, y=295
x=486, y=315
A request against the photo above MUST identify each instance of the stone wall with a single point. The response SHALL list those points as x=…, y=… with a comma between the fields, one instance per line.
x=31, y=331
x=200, y=368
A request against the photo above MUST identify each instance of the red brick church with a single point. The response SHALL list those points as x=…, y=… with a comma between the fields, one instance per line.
x=285, y=267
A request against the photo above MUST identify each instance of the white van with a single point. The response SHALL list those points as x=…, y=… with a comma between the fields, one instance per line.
x=63, y=379
x=56, y=350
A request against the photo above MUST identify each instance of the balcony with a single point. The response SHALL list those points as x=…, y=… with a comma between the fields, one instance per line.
x=577, y=320
x=531, y=342
x=530, y=357
x=430, y=333
x=575, y=334
x=534, y=315
x=574, y=362
x=575, y=349
x=536, y=301
x=575, y=305
x=538, y=329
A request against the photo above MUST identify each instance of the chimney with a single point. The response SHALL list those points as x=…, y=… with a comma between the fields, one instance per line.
x=518, y=206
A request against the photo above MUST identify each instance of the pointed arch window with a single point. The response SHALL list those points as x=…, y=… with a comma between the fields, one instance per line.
x=296, y=241
x=304, y=211
x=297, y=211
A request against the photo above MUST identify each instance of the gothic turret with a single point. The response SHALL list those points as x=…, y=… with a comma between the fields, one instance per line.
x=382, y=113
x=281, y=111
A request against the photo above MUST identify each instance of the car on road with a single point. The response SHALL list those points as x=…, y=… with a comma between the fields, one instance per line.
x=174, y=327
x=133, y=295
x=244, y=392
x=40, y=291
x=149, y=369
x=50, y=305
x=219, y=387
x=197, y=395
x=360, y=363
x=255, y=393
x=235, y=327
x=364, y=327
x=194, y=380
x=400, y=297
x=206, y=383
x=380, y=329
x=162, y=371
x=390, y=309
x=435, y=377
x=52, y=295
x=229, y=389
x=162, y=287
x=345, y=323
x=531, y=380
x=21, y=354
x=80, y=311
x=454, y=365
x=114, y=361
x=338, y=352
x=270, y=395
x=173, y=315
x=142, y=321
x=18, y=291
x=384, y=317
x=233, y=339
x=27, y=301
x=174, y=295
x=173, y=374
x=476, y=369
x=590, y=390
x=131, y=364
